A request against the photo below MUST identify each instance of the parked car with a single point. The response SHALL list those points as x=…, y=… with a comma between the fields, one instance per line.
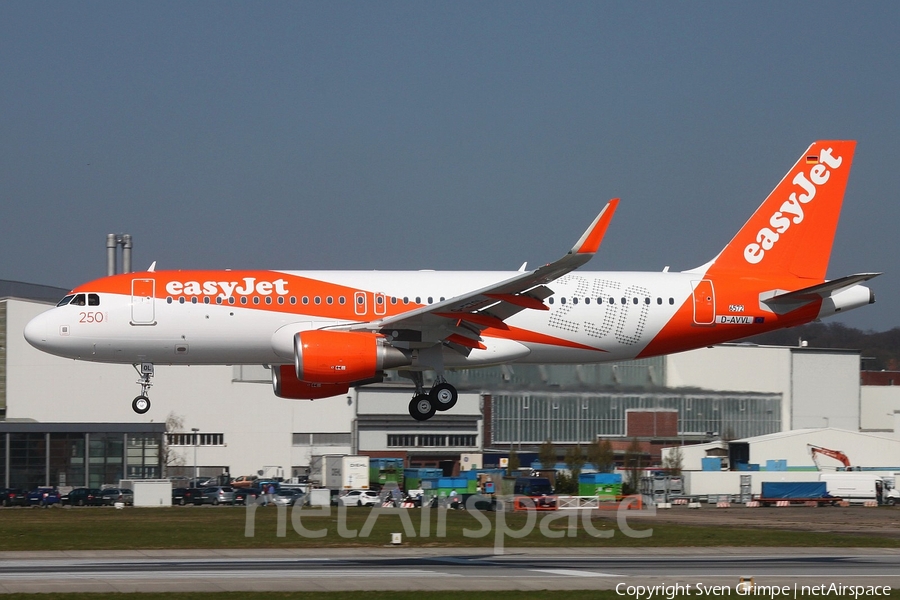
x=360, y=498
x=13, y=497
x=113, y=495
x=178, y=496
x=288, y=497
x=193, y=496
x=245, y=481
x=43, y=496
x=219, y=495
x=242, y=495
x=82, y=497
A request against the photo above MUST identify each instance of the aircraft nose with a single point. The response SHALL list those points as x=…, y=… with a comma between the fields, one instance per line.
x=36, y=331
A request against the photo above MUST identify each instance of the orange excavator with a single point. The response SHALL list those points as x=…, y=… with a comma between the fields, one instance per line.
x=835, y=454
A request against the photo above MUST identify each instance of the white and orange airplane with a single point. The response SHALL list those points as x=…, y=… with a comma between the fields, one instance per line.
x=323, y=331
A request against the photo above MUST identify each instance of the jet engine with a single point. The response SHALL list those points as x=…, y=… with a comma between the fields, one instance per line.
x=322, y=356
x=286, y=385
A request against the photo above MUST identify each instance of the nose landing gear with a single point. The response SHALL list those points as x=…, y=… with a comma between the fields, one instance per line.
x=141, y=404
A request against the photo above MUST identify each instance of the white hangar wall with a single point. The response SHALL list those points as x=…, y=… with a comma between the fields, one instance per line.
x=820, y=387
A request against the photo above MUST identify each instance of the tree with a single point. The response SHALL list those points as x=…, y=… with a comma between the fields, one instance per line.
x=575, y=461
x=601, y=455
x=512, y=465
x=634, y=462
x=547, y=454
x=674, y=461
x=171, y=458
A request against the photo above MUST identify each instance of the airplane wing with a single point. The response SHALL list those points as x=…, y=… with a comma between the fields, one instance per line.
x=461, y=319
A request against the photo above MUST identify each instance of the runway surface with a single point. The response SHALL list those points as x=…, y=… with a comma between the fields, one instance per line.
x=439, y=569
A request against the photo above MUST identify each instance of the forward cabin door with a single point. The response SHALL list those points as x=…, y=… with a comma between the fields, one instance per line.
x=704, y=302
x=143, y=291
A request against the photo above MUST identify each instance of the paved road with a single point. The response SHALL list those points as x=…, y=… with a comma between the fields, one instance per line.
x=438, y=569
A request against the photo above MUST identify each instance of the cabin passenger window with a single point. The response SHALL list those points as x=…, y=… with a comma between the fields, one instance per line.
x=550, y=300
x=255, y=299
x=305, y=300
x=329, y=300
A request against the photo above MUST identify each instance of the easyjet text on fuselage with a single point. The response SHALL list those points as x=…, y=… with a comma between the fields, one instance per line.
x=246, y=287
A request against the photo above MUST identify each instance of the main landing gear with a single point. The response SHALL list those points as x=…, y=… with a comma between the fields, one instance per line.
x=441, y=397
x=141, y=404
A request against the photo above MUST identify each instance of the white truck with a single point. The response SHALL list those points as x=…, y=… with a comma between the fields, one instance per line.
x=858, y=486
x=345, y=472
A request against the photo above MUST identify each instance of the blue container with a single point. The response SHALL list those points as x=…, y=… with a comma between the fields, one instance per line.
x=711, y=463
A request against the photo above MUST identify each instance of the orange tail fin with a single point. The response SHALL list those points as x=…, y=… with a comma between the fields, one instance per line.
x=793, y=230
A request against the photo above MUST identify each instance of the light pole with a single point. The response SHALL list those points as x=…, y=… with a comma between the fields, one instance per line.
x=195, y=430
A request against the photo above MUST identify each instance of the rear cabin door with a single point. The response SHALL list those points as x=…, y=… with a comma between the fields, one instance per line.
x=704, y=302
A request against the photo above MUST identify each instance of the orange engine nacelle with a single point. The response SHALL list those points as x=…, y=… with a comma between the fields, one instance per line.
x=343, y=356
x=286, y=384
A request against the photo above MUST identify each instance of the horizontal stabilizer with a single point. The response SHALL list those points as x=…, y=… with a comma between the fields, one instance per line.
x=822, y=290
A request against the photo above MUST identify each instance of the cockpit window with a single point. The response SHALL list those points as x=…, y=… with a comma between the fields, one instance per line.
x=78, y=300
x=93, y=300
x=66, y=300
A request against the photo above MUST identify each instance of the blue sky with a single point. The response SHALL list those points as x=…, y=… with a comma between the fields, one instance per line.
x=413, y=135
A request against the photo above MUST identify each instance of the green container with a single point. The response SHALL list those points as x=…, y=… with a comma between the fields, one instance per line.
x=603, y=490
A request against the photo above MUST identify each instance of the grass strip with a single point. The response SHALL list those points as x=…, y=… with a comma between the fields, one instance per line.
x=225, y=528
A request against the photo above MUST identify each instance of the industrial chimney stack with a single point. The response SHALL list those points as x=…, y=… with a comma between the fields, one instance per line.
x=113, y=241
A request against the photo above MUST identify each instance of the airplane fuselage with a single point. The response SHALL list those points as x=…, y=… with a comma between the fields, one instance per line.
x=250, y=317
